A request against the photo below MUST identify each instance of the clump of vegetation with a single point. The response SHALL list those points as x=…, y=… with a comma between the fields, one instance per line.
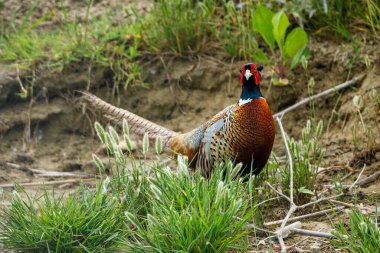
x=360, y=235
x=97, y=43
x=237, y=33
x=337, y=19
x=307, y=156
x=364, y=131
x=87, y=221
x=292, y=47
x=192, y=214
x=181, y=26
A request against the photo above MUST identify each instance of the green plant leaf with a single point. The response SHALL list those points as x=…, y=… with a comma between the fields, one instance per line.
x=295, y=41
x=297, y=58
x=305, y=191
x=261, y=22
x=280, y=23
x=260, y=56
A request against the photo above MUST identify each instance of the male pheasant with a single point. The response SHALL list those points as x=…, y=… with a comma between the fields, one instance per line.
x=244, y=132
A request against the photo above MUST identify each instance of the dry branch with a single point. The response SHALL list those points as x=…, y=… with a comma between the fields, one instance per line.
x=311, y=233
x=46, y=173
x=301, y=217
x=357, y=179
x=369, y=179
x=352, y=205
x=47, y=183
x=327, y=92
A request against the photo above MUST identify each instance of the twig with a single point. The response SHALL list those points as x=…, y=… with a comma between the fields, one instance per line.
x=285, y=232
x=289, y=158
x=294, y=228
x=356, y=181
x=319, y=201
x=301, y=217
x=335, y=167
x=278, y=192
x=362, y=182
x=311, y=233
x=321, y=94
x=250, y=225
x=265, y=201
x=47, y=183
x=351, y=205
x=369, y=179
x=44, y=173
x=293, y=207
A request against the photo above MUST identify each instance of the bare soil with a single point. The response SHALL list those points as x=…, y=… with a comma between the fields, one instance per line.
x=55, y=133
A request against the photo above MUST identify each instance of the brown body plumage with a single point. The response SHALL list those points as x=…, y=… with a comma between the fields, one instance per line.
x=243, y=132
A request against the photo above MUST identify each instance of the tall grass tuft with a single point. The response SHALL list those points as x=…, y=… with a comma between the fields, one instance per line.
x=237, y=34
x=307, y=156
x=360, y=235
x=192, y=214
x=87, y=221
x=97, y=43
x=182, y=26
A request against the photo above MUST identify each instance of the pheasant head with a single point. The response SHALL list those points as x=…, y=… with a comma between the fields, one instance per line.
x=250, y=78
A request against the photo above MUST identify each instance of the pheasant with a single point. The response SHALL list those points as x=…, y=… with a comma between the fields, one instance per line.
x=244, y=132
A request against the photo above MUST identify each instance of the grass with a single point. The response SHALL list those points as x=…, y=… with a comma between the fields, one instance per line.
x=360, y=235
x=98, y=43
x=366, y=106
x=182, y=26
x=87, y=221
x=307, y=156
x=192, y=214
x=237, y=34
x=338, y=19
x=179, y=27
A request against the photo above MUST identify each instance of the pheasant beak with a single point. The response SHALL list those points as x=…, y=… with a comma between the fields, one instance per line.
x=247, y=74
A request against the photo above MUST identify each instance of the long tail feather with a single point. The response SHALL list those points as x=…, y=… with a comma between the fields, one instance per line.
x=136, y=123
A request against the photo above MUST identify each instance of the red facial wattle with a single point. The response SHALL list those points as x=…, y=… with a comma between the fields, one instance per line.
x=257, y=77
x=242, y=74
x=254, y=71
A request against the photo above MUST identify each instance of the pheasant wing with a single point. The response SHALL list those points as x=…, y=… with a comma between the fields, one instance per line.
x=213, y=146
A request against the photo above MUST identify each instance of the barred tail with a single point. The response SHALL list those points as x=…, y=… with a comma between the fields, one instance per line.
x=136, y=123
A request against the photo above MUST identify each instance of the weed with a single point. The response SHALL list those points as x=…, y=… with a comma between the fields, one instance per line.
x=307, y=156
x=344, y=17
x=310, y=90
x=361, y=236
x=362, y=127
x=86, y=221
x=97, y=42
x=292, y=47
x=192, y=214
x=375, y=99
x=181, y=26
x=237, y=33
